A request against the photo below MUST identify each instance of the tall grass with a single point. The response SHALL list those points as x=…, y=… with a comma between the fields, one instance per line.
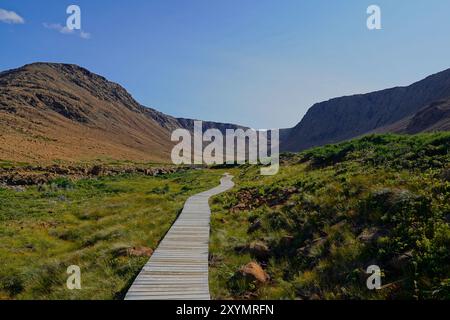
x=331, y=212
x=88, y=223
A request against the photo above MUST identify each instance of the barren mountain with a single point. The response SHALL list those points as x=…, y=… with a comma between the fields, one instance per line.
x=418, y=107
x=52, y=111
x=434, y=117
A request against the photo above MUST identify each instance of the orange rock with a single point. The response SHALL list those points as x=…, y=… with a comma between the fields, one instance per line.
x=140, y=252
x=254, y=270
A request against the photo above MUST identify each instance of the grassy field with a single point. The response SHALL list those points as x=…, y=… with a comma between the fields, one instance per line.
x=89, y=223
x=314, y=228
x=333, y=211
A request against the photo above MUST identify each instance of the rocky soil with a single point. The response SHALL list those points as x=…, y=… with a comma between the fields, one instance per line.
x=36, y=175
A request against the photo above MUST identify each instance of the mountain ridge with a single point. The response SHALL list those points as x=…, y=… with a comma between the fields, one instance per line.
x=53, y=111
x=351, y=116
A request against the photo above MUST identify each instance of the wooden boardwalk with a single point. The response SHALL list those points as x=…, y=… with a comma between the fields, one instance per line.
x=178, y=269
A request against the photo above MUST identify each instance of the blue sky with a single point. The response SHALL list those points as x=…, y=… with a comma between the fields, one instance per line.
x=254, y=62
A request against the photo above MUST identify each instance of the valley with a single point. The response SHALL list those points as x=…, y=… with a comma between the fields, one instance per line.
x=308, y=232
x=86, y=179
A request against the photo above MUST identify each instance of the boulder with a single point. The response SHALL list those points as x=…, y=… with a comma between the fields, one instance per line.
x=96, y=170
x=126, y=250
x=401, y=261
x=446, y=174
x=254, y=272
x=259, y=250
x=370, y=235
x=140, y=252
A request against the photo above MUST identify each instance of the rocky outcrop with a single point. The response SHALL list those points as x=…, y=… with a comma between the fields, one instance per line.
x=37, y=175
x=251, y=198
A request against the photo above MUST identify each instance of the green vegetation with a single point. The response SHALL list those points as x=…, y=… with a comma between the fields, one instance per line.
x=333, y=211
x=89, y=223
x=314, y=228
x=4, y=164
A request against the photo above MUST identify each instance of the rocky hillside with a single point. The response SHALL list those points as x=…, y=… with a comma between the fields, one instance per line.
x=415, y=108
x=52, y=111
x=311, y=231
x=434, y=117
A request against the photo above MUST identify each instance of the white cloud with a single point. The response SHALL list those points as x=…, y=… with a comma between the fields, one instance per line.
x=85, y=35
x=64, y=30
x=10, y=17
x=58, y=27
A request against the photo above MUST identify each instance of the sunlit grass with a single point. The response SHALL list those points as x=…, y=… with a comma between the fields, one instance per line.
x=396, y=185
x=45, y=229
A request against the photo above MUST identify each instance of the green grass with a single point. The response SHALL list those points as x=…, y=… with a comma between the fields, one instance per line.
x=45, y=229
x=5, y=164
x=314, y=214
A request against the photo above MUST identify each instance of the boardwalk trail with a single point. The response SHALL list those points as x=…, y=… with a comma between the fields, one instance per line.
x=178, y=269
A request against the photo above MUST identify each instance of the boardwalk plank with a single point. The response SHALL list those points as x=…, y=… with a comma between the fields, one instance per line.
x=178, y=269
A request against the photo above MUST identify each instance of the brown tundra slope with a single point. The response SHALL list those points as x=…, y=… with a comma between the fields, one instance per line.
x=52, y=111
